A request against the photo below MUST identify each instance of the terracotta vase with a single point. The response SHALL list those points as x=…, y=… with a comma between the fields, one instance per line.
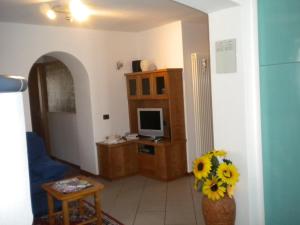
x=220, y=212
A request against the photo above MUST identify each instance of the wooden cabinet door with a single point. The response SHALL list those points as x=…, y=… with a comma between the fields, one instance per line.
x=147, y=165
x=146, y=86
x=117, y=162
x=133, y=87
x=131, y=159
x=161, y=163
x=104, y=162
x=160, y=85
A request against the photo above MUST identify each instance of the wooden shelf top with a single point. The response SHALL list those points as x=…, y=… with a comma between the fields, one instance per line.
x=139, y=141
x=150, y=142
x=154, y=71
x=116, y=144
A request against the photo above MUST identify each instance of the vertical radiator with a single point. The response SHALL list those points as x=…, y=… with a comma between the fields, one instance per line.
x=202, y=103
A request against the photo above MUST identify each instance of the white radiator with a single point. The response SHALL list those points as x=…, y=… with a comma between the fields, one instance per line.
x=202, y=103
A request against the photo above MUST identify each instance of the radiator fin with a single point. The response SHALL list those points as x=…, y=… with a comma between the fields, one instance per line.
x=202, y=103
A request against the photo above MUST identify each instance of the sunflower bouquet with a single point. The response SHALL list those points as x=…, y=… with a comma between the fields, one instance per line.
x=215, y=175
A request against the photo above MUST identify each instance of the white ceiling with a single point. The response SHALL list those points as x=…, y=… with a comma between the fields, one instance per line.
x=121, y=15
x=209, y=6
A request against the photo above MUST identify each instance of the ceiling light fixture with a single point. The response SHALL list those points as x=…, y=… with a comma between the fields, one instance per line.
x=51, y=14
x=79, y=11
x=76, y=10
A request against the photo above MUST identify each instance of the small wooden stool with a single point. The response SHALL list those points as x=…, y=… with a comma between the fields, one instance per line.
x=94, y=190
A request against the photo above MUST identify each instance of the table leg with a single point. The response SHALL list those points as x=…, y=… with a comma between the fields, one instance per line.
x=98, y=207
x=66, y=213
x=51, y=209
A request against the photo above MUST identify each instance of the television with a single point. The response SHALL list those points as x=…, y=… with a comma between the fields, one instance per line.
x=150, y=122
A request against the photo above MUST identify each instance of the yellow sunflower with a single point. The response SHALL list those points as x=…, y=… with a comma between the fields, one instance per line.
x=230, y=190
x=228, y=173
x=220, y=153
x=213, y=189
x=202, y=167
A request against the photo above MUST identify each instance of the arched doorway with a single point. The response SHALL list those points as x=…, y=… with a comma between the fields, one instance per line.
x=52, y=106
x=81, y=122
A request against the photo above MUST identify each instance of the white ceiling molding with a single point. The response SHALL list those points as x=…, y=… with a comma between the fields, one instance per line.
x=209, y=6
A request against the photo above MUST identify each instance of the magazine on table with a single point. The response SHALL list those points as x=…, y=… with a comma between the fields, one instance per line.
x=71, y=185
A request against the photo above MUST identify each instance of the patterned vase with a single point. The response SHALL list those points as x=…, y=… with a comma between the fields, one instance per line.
x=220, y=212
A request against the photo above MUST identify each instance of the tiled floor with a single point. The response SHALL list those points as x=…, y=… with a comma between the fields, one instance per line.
x=139, y=200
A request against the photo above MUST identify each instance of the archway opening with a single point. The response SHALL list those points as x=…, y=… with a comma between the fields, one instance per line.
x=53, y=108
x=64, y=108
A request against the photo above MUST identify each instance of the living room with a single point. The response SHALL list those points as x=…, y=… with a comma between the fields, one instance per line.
x=98, y=52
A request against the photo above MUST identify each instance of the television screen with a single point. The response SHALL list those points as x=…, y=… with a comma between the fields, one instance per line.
x=150, y=122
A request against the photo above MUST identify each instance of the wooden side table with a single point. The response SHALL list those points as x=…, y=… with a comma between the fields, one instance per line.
x=94, y=190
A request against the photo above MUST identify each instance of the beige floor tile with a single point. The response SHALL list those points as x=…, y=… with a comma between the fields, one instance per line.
x=153, y=204
x=154, y=197
x=150, y=218
x=197, y=198
x=183, y=217
x=125, y=215
x=139, y=200
x=179, y=190
x=180, y=212
x=181, y=204
x=185, y=224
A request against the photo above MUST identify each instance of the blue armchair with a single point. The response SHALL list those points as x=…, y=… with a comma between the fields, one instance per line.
x=42, y=169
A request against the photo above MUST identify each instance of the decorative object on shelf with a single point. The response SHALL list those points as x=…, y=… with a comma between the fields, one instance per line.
x=113, y=139
x=136, y=66
x=131, y=136
x=216, y=177
x=146, y=65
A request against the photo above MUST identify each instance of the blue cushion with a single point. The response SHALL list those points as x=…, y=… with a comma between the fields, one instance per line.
x=48, y=169
x=42, y=169
x=35, y=147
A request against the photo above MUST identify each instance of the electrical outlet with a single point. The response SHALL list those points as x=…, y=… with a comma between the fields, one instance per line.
x=106, y=116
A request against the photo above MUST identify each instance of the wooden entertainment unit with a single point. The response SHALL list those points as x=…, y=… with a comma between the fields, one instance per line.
x=164, y=159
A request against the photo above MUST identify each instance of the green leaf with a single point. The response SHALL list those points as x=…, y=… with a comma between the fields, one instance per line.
x=215, y=164
x=227, y=161
x=198, y=184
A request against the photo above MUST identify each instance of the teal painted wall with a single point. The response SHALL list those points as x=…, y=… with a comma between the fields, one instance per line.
x=279, y=22
x=279, y=34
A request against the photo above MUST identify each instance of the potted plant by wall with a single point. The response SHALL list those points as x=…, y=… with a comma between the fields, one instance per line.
x=216, y=177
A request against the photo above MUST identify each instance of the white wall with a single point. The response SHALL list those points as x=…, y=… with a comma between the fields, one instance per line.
x=98, y=51
x=170, y=46
x=15, y=204
x=84, y=122
x=236, y=107
x=235, y=96
x=21, y=45
x=162, y=45
x=63, y=136
x=236, y=102
x=195, y=39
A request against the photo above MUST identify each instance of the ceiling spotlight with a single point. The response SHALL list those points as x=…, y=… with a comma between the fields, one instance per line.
x=51, y=14
x=79, y=11
x=75, y=10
